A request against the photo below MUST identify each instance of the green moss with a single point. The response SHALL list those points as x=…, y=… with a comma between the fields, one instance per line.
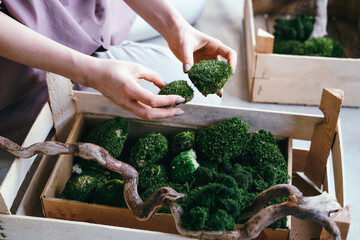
x=291, y=37
x=210, y=76
x=148, y=150
x=179, y=87
x=109, y=134
x=182, y=141
x=183, y=167
x=153, y=174
x=81, y=187
x=110, y=193
x=227, y=139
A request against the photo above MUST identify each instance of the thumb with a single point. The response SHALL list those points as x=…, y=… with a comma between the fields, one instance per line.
x=188, y=59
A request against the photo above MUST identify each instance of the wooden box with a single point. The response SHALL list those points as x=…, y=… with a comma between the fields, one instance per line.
x=290, y=79
x=72, y=110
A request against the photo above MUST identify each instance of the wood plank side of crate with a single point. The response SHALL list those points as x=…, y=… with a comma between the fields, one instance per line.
x=300, y=79
x=250, y=43
x=11, y=184
x=298, y=126
x=26, y=228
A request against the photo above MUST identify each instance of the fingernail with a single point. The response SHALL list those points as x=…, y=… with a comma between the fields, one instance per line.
x=179, y=112
x=186, y=68
x=180, y=100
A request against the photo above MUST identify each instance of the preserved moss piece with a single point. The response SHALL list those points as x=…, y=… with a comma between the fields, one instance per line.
x=148, y=150
x=80, y=187
x=183, y=141
x=298, y=28
x=153, y=174
x=179, y=87
x=227, y=139
x=109, y=134
x=110, y=193
x=183, y=167
x=210, y=76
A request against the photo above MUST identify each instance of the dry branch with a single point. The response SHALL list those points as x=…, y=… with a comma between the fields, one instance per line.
x=316, y=208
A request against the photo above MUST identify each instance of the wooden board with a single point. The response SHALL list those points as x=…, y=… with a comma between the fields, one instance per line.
x=17, y=172
x=276, y=79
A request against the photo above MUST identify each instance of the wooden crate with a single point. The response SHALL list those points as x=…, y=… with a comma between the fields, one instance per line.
x=66, y=105
x=290, y=79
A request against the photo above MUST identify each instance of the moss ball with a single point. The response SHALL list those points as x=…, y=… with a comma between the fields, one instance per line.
x=179, y=87
x=210, y=76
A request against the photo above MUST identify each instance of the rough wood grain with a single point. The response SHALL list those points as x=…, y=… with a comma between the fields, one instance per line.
x=342, y=218
x=264, y=41
x=62, y=107
x=323, y=136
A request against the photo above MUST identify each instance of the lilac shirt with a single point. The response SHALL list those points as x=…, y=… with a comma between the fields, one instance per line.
x=81, y=25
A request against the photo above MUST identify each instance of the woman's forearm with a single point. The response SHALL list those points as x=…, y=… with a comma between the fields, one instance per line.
x=23, y=45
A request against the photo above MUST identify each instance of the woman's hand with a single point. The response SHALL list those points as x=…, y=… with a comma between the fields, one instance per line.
x=191, y=46
x=119, y=81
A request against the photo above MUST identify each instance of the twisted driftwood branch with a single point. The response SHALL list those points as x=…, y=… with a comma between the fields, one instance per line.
x=316, y=208
x=142, y=210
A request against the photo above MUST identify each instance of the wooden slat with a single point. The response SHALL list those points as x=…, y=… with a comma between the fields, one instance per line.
x=17, y=172
x=264, y=41
x=342, y=219
x=337, y=161
x=323, y=136
x=299, y=159
x=62, y=107
x=250, y=43
x=24, y=228
x=277, y=79
x=298, y=126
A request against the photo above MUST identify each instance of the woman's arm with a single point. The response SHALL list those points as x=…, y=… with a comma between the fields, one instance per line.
x=188, y=44
x=117, y=80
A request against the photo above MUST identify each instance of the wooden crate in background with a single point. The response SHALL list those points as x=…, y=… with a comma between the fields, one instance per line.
x=290, y=79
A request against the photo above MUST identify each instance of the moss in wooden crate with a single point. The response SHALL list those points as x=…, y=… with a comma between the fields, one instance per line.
x=227, y=139
x=80, y=187
x=182, y=141
x=292, y=37
x=210, y=76
x=227, y=183
x=179, y=87
x=109, y=134
x=148, y=150
x=183, y=167
x=110, y=193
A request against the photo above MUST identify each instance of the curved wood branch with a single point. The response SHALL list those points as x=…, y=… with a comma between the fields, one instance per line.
x=142, y=210
x=315, y=209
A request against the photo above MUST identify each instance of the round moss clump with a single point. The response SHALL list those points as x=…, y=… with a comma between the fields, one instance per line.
x=110, y=193
x=109, y=134
x=183, y=141
x=148, y=150
x=153, y=174
x=183, y=167
x=179, y=87
x=210, y=76
x=80, y=187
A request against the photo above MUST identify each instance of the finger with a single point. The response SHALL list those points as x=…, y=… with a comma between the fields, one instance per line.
x=147, y=112
x=220, y=93
x=151, y=76
x=228, y=54
x=145, y=96
x=188, y=58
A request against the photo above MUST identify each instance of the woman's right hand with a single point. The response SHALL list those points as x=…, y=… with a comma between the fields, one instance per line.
x=119, y=81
